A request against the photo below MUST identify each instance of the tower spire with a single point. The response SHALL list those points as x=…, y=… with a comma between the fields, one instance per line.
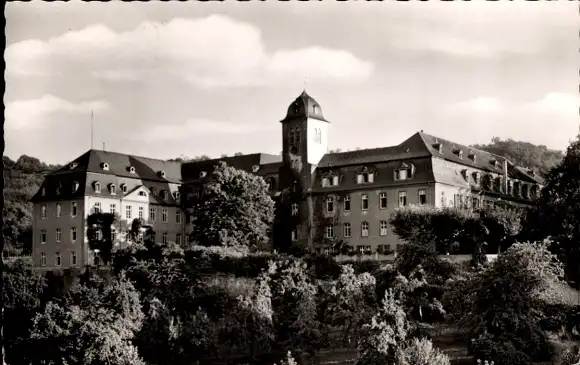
x=305, y=82
x=92, y=127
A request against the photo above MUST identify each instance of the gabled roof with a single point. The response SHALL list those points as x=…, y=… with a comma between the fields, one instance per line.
x=119, y=164
x=151, y=197
x=266, y=164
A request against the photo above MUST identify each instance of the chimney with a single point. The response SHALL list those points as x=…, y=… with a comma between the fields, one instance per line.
x=505, y=175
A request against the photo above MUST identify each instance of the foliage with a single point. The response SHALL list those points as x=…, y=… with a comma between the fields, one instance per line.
x=537, y=157
x=351, y=303
x=507, y=305
x=571, y=356
x=386, y=333
x=420, y=299
x=23, y=292
x=93, y=324
x=99, y=228
x=233, y=208
x=421, y=352
x=558, y=211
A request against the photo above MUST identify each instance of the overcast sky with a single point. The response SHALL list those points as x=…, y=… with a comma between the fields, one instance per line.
x=192, y=78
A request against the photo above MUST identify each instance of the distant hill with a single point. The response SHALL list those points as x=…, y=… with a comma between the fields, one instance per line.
x=22, y=178
x=537, y=157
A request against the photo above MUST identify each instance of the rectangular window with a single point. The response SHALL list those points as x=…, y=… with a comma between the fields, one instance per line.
x=97, y=208
x=363, y=250
x=294, y=209
x=347, y=203
x=164, y=215
x=475, y=202
x=113, y=235
x=152, y=214
x=58, y=210
x=383, y=226
x=402, y=198
x=42, y=259
x=58, y=235
x=335, y=180
x=178, y=239
x=383, y=200
x=294, y=235
x=164, y=237
x=329, y=231
x=73, y=234
x=178, y=216
x=141, y=212
x=128, y=212
x=365, y=177
x=330, y=204
x=43, y=212
x=325, y=182
x=422, y=197
x=43, y=236
x=73, y=258
x=73, y=209
x=347, y=230
x=364, y=229
x=365, y=202
x=112, y=208
x=359, y=179
x=57, y=259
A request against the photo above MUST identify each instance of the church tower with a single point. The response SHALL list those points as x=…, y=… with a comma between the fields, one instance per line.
x=304, y=143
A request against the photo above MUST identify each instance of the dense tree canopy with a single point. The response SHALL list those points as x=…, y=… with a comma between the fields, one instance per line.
x=233, y=208
x=539, y=158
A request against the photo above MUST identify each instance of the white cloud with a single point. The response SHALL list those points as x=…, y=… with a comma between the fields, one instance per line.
x=24, y=114
x=211, y=51
x=480, y=104
x=199, y=128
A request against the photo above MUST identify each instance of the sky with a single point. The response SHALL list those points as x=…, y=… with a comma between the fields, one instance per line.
x=165, y=80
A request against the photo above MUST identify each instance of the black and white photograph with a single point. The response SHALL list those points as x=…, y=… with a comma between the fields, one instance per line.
x=291, y=183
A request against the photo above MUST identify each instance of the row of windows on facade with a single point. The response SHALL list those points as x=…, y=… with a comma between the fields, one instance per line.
x=364, y=230
x=294, y=136
x=164, y=194
x=330, y=201
x=404, y=172
x=361, y=249
x=113, y=210
x=73, y=255
x=73, y=236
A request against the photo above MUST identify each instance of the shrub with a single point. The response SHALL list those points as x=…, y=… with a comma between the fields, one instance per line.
x=421, y=352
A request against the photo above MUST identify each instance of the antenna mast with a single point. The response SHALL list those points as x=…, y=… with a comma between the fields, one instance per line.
x=92, y=122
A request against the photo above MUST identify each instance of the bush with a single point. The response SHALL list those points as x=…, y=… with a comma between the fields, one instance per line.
x=421, y=352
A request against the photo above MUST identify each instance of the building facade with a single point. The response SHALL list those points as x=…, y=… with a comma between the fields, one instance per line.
x=346, y=196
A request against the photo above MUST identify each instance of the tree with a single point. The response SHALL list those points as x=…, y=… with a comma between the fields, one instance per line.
x=421, y=352
x=537, y=157
x=507, y=302
x=233, y=208
x=351, y=303
x=94, y=323
x=99, y=228
x=558, y=211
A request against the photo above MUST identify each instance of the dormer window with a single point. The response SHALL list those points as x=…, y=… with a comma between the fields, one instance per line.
x=97, y=186
x=477, y=177
x=177, y=196
x=202, y=174
x=112, y=189
x=465, y=174
x=315, y=109
x=75, y=186
x=438, y=147
x=132, y=169
x=325, y=182
x=164, y=194
x=495, y=163
x=73, y=165
x=404, y=172
x=124, y=188
x=472, y=157
x=105, y=166
x=153, y=190
x=255, y=168
x=365, y=177
x=142, y=193
x=459, y=154
x=161, y=173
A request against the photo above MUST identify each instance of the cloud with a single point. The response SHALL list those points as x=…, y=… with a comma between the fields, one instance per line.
x=26, y=114
x=199, y=127
x=550, y=120
x=212, y=51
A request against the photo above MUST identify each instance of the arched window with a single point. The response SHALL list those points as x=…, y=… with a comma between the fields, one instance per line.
x=113, y=189
x=297, y=136
x=97, y=187
x=291, y=139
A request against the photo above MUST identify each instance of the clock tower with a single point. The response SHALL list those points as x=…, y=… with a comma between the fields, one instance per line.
x=304, y=143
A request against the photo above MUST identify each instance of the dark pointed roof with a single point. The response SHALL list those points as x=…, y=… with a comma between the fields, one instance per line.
x=304, y=107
